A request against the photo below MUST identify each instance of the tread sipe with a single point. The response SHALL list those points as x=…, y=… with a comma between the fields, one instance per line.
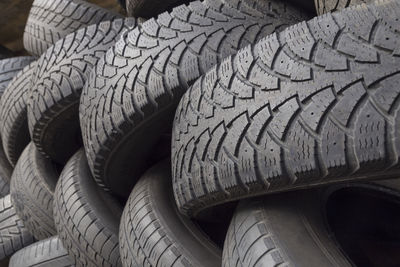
x=32, y=188
x=13, y=118
x=46, y=253
x=51, y=20
x=153, y=233
x=130, y=98
x=314, y=104
x=13, y=234
x=53, y=113
x=9, y=68
x=86, y=217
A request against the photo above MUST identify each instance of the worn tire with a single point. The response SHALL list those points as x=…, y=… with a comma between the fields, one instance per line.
x=13, y=234
x=292, y=112
x=51, y=20
x=32, y=188
x=295, y=229
x=325, y=6
x=9, y=68
x=129, y=101
x=13, y=118
x=46, y=253
x=268, y=231
x=53, y=113
x=153, y=233
x=150, y=9
x=86, y=217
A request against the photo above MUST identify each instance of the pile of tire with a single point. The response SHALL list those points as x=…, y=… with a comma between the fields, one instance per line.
x=202, y=133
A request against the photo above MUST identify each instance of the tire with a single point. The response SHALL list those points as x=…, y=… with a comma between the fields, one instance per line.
x=32, y=188
x=13, y=233
x=325, y=6
x=53, y=113
x=124, y=109
x=86, y=217
x=5, y=174
x=150, y=9
x=13, y=118
x=51, y=20
x=9, y=68
x=153, y=233
x=46, y=253
x=297, y=124
x=286, y=229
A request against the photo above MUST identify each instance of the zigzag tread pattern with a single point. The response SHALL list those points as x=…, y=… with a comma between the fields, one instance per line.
x=51, y=20
x=13, y=234
x=142, y=77
x=61, y=74
x=9, y=68
x=13, y=117
x=314, y=104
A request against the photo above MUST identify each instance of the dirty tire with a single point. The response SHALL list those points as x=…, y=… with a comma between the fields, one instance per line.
x=266, y=232
x=86, y=217
x=32, y=188
x=61, y=73
x=9, y=68
x=292, y=112
x=129, y=101
x=325, y=6
x=13, y=118
x=51, y=20
x=150, y=9
x=153, y=233
x=13, y=234
x=46, y=253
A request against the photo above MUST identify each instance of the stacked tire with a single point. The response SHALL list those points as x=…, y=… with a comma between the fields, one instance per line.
x=202, y=133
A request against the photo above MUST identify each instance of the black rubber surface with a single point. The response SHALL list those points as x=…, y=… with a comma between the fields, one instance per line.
x=32, y=188
x=13, y=118
x=129, y=101
x=86, y=217
x=9, y=67
x=51, y=20
x=282, y=230
x=315, y=104
x=5, y=173
x=53, y=114
x=46, y=253
x=13, y=234
x=325, y=6
x=153, y=233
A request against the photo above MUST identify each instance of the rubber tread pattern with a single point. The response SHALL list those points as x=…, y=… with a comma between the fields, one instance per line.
x=152, y=233
x=51, y=20
x=13, y=234
x=314, y=104
x=83, y=231
x=32, y=188
x=46, y=253
x=13, y=117
x=325, y=6
x=61, y=74
x=9, y=68
x=137, y=85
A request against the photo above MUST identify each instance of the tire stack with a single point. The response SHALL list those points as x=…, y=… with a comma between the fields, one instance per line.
x=202, y=133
